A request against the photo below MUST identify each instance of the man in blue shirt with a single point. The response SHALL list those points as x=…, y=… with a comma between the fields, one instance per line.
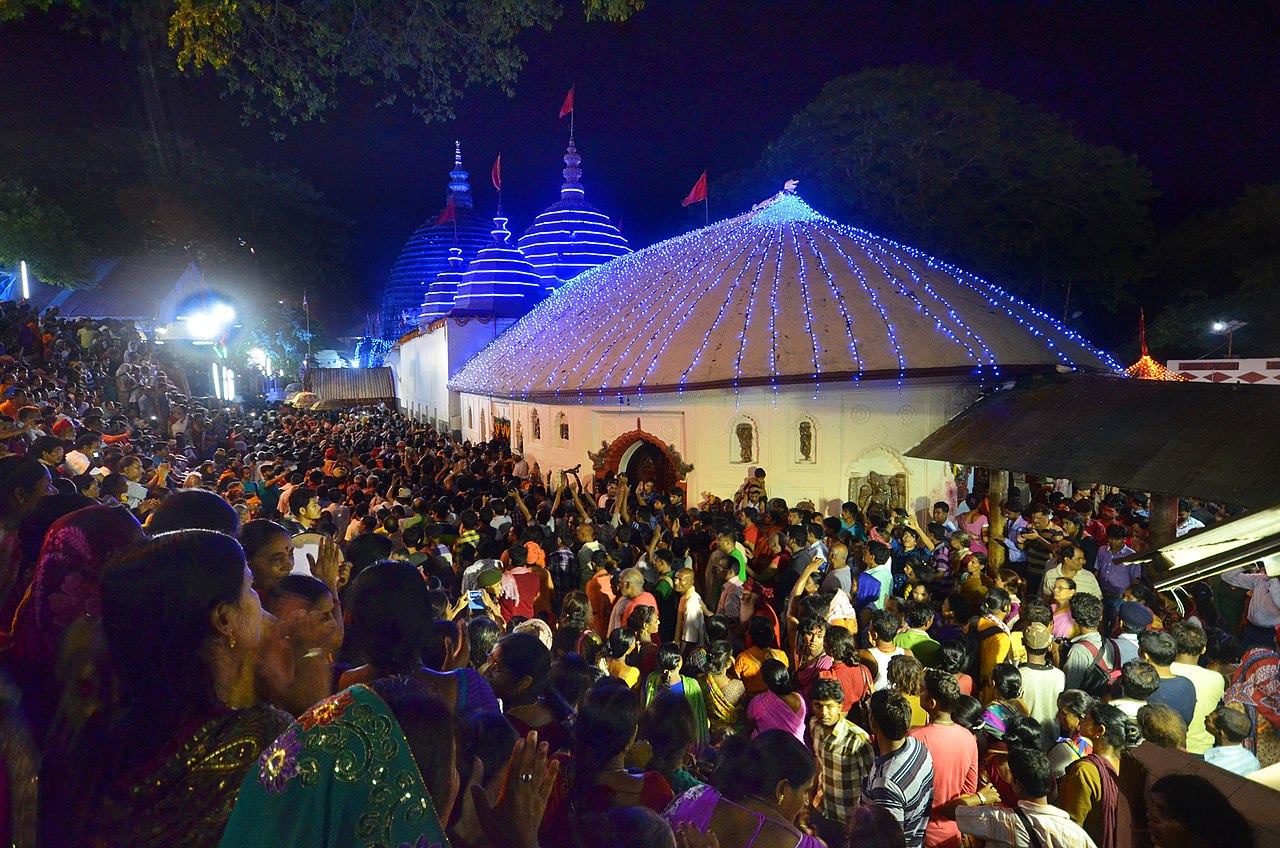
x=1160, y=649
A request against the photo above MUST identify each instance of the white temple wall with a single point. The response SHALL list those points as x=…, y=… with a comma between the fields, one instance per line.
x=424, y=364
x=853, y=430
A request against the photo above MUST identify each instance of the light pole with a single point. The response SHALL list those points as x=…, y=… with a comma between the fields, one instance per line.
x=1228, y=328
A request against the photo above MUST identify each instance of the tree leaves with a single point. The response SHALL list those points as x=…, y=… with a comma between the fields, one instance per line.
x=244, y=222
x=43, y=235
x=287, y=60
x=1225, y=265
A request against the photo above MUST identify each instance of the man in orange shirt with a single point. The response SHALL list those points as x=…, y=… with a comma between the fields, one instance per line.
x=600, y=594
x=631, y=583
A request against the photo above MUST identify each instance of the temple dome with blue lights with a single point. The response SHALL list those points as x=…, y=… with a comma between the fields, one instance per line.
x=442, y=293
x=426, y=254
x=500, y=281
x=571, y=236
x=780, y=295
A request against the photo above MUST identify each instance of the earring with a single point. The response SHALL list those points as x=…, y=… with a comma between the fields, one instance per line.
x=781, y=798
x=231, y=641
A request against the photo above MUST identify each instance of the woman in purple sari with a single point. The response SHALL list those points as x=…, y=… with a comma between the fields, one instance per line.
x=759, y=788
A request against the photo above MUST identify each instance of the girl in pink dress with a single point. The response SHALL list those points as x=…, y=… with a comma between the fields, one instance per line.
x=780, y=706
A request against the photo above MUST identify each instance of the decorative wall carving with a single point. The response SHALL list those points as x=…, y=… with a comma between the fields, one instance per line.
x=886, y=491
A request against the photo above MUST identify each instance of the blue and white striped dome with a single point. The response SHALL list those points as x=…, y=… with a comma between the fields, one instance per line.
x=425, y=255
x=443, y=292
x=571, y=236
x=499, y=281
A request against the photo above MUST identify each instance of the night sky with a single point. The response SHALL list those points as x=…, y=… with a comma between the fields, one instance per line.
x=1191, y=88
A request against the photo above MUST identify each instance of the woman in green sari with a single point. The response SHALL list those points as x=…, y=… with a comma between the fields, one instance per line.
x=374, y=766
x=668, y=676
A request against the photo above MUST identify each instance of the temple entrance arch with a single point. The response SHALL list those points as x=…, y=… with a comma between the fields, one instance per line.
x=647, y=461
x=641, y=456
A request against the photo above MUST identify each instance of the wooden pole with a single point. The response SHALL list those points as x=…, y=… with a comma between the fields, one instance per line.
x=997, y=494
x=1164, y=519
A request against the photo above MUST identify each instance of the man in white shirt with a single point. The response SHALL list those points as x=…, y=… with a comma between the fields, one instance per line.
x=878, y=562
x=1209, y=683
x=1002, y=827
x=1264, y=605
x=80, y=460
x=1042, y=682
x=1072, y=567
x=1186, y=522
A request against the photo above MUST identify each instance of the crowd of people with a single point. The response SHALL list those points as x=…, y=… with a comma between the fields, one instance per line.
x=284, y=627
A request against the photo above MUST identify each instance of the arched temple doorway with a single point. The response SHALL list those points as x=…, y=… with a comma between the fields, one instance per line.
x=641, y=456
x=650, y=462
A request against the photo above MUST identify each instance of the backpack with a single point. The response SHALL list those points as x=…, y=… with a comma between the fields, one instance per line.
x=1099, y=678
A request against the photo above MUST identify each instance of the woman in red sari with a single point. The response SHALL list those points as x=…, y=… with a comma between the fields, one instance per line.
x=164, y=763
x=53, y=647
x=1255, y=690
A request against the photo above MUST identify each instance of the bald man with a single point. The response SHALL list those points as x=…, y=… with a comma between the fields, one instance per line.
x=631, y=595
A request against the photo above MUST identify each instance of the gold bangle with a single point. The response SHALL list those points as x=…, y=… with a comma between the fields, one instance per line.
x=314, y=652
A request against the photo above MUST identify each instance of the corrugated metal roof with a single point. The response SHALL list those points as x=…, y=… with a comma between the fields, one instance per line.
x=343, y=386
x=1215, y=442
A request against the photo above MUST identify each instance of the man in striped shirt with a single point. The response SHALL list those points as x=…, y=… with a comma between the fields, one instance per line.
x=901, y=779
x=1229, y=729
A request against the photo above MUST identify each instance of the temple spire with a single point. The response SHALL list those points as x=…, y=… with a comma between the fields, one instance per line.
x=459, y=188
x=500, y=232
x=572, y=188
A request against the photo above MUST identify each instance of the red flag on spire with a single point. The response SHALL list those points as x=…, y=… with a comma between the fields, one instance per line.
x=496, y=174
x=568, y=103
x=448, y=213
x=699, y=191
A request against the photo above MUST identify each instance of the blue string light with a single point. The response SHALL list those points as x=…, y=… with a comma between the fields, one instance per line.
x=806, y=299
x=633, y=314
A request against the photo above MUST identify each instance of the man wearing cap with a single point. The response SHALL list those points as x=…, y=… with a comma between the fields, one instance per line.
x=1134, y=618
x=521, y=468
x=1042, y=682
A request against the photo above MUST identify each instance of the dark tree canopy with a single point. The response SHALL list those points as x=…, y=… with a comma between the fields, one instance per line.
x=285, y=60
x=42, y=234
x=1223, y=265
x=102, y=192
x=970, y=174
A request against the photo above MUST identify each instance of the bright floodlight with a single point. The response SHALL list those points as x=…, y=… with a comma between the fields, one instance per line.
x=258, y=357
x=211, y=322
x=1218, y=326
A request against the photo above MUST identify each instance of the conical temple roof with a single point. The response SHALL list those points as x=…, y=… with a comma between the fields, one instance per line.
x=780, y=295
x=426, y=254
x=499, y=281
x=571, y=235
x=443, y=291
